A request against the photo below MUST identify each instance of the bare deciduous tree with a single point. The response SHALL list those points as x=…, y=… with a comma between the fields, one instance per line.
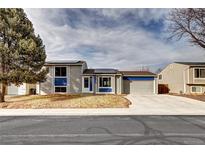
x=188, y=23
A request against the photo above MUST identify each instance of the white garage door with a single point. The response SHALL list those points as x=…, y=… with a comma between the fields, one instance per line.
x=14, y=90
x=142, y=87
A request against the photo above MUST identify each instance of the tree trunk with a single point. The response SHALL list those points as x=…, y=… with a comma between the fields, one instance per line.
x=3, y=91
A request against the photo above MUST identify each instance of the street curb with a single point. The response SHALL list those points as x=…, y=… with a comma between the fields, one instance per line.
x=83, y=112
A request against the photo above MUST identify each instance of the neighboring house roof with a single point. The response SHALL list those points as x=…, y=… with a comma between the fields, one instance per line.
x=65, y=62
x=191, y=63
x=100, y=71
x=138, y=73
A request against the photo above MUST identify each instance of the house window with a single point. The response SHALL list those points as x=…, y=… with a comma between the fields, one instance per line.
x=160, y=77
x=86, y=82
x=60, y=89
x=60, y=82
x=60, y=71
x=105, y=81
x=199, y=73
x=196, y=89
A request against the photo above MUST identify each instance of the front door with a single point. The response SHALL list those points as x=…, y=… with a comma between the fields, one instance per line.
x=87, y=84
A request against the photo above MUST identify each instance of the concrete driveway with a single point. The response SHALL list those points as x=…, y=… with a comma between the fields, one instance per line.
x=165, y=105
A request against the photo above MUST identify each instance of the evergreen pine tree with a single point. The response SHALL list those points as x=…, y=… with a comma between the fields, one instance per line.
x=22, y=53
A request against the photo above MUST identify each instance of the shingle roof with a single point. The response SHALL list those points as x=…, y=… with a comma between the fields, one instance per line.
x=88, y=71
x=106, y=71
x=114, y=71
x=191, y=63
x=140, y=73
x=65, y=62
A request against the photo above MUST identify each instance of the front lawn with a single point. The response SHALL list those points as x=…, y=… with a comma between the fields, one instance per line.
x=65, y=101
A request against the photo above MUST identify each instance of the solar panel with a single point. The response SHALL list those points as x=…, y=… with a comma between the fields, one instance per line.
x=104, y=71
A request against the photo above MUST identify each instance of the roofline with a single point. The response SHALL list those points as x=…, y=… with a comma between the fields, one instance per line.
x=124, y=73
x=181, y=63
x=56, y=63
x=141, y=75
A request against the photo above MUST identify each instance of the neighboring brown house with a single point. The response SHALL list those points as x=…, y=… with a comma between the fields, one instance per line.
x=184, y=77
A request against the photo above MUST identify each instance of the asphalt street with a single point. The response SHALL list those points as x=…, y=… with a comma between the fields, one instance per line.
x=102, y=130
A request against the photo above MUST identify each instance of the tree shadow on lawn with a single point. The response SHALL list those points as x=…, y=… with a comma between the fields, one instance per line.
x=27, y=101
x=52, y=97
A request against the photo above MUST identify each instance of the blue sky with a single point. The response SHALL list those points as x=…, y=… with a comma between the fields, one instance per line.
x=126, y=39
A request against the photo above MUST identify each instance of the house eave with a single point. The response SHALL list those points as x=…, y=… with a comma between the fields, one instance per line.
x=196, y=84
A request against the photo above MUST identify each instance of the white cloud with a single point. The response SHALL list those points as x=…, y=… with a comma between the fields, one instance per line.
x=122, y=47
x=146, y=15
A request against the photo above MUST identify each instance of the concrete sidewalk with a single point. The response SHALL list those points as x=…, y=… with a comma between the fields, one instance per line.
x=141, y=105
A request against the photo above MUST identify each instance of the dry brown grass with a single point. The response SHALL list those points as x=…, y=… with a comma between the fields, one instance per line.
x=199, y=97
x=65, y=101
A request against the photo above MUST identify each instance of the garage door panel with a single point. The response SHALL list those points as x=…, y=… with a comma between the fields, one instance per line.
x=138, y=87
x=141, y=87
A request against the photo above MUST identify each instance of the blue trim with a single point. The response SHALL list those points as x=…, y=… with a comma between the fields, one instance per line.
x=137, y=78
x=60, y=82
x=95, y=81
x=105, y=89
x=91, y=84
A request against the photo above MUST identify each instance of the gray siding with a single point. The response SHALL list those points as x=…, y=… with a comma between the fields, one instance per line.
x=75, y=79
x=47, y=86
x=126, y=86
x=84, y=66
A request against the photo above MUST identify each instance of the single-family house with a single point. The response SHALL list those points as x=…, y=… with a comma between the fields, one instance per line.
x=76, y=77
x=184, y=77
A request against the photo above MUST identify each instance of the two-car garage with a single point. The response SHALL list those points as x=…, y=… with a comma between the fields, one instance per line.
x=139, y=83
